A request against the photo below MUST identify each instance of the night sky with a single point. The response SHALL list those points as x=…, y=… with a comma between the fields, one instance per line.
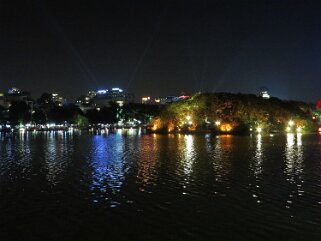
x=162, y=48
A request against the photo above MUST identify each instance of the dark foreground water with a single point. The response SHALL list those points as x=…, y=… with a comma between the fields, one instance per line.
x=60, y=186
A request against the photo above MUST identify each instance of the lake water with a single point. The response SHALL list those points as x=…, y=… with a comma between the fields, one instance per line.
x=62, y=186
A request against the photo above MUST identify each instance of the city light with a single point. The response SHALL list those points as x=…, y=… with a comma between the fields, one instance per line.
x=299, y=129
x=288, y=128
x=226, y=127
x=188, y=117
x=117, y=89
x=145, y=98
x=102, y=92
x=291, y=123
x=259, y=130
x=217, y=123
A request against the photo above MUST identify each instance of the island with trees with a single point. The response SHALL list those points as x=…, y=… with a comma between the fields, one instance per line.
x=219, y=113
x=224, y=113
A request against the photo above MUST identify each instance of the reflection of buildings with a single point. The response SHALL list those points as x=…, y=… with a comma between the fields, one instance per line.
x=107, y=160
x=147, y=160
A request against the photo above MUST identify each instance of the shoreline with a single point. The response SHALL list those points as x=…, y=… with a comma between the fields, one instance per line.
x=145, y=130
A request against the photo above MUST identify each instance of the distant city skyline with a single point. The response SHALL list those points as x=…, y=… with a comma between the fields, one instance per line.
x=160, y=48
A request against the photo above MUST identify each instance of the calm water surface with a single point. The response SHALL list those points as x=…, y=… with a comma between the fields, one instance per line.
x=60, y=186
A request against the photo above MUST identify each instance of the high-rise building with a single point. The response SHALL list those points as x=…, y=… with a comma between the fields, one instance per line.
x=15, y=95
x=104, y=97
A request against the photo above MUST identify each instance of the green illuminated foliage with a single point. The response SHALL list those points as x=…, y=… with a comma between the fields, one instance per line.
x=241, y=111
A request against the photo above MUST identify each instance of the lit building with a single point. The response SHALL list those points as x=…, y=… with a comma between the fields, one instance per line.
x=146, y=100
x=168, y=100
x=264, y=93
x=15, y=95
x=104, y=97
x=47, y=101
x=57, y=99
x=150, y=100
x=85, y=102
x=171, y=99
x=14, y=91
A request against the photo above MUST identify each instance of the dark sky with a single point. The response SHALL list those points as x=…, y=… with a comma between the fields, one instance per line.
x=162, y=48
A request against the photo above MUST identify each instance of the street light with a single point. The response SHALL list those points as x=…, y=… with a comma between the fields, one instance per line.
x=291, y=123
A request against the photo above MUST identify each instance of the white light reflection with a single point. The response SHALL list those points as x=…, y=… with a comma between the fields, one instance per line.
x=294, y=154
x=188, y=154
x=222, y=158
x=186, y=147
x=58, y=147
x=294, y=165
x=257, y=165
x=108, y=167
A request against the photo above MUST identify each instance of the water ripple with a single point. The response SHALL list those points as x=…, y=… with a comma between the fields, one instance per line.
x=161, y=187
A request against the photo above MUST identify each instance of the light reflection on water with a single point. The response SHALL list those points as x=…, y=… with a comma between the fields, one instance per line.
x=108, y=166
x=294, y=157
x=164, y=181
x=188, y=157
x=222, y=157
x=147, y=162
x=294, y=167
x=258, y=159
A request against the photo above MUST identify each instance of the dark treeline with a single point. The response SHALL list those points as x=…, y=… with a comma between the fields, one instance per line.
x=20, y=112
x=223, y=112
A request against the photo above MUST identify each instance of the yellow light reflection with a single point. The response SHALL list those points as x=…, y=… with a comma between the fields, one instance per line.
x=294, y=156
x=147, y=161
x=188, y=154
x=258, y=160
